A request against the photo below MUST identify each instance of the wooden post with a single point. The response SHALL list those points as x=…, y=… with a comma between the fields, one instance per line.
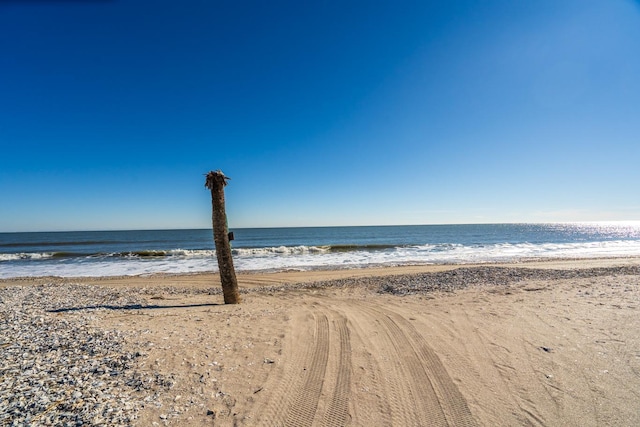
x=216, y=182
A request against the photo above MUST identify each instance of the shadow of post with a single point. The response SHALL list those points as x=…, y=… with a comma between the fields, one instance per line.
x=130, y=307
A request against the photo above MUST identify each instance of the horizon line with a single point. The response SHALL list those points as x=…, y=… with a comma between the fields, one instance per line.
x=618, y=222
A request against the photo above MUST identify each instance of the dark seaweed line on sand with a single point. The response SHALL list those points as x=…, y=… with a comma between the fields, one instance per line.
x=400, y=285
x=405, y=284
x=461, y=278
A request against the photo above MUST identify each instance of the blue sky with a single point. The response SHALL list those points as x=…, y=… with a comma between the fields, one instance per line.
x=322, y=113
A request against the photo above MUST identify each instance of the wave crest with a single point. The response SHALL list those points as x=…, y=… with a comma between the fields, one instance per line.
x=26, y=256
x=281, y=250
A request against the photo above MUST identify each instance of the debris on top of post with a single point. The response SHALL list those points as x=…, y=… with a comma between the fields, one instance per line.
x=216, y=176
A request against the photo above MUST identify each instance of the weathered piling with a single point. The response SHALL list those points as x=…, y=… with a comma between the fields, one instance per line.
x=216, y=181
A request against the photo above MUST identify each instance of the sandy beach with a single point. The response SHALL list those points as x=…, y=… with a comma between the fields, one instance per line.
x=539, y=343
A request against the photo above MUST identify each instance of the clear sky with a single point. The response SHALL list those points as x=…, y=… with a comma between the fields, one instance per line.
x=322, y=113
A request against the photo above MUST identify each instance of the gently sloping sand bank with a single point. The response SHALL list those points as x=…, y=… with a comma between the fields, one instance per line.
x=444, y=345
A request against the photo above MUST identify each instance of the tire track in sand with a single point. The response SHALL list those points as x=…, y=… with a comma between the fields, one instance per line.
x=412, y=395
x=311, y=389
x=315, y=382
x=428, y=395
x=303, y=410
x=338, y=411
x=271, y=409
x=451, y=401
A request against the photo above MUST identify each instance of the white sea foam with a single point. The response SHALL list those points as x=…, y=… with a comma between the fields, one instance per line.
x=307, y=258
x=281, y=250
x=25, y=256
x=191, y=253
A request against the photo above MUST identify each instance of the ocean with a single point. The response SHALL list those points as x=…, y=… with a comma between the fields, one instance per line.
x=144, y=252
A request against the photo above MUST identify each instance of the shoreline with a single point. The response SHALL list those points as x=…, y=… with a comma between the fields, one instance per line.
x=552, y=342
x=259, y=278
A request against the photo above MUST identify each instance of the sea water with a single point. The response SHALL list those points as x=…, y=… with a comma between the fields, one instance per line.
x=142, y=252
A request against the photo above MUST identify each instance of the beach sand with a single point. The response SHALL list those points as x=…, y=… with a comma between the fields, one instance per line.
x=539, y=343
